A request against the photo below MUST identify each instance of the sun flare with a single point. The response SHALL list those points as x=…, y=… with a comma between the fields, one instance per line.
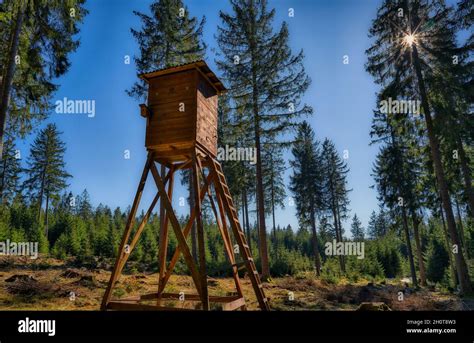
x=409, y=39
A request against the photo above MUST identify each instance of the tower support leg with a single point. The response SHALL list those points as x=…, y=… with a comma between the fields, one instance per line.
x=128, y=229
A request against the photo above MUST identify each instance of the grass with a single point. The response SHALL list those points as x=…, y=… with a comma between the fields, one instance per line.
x=302, y=292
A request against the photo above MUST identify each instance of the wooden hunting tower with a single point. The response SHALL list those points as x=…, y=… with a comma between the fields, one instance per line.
x=181, y=133
x=182, y=110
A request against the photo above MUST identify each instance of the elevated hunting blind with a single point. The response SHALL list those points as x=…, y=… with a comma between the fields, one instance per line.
x=182, y=110
x=181, y=133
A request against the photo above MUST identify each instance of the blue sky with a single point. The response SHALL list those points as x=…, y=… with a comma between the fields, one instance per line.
x=342, y=96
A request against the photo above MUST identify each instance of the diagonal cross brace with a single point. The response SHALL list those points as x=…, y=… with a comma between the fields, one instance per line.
x=176, y=228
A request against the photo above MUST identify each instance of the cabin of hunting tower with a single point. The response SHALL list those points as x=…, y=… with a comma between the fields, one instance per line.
x=181, y=111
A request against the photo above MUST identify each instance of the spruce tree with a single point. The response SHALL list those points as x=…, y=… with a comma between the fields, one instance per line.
x=273, y=184
x=414, y=41
x=36, y=39
x=84, y=206
x=391, y=186
x=357, y=230
x=335, y=172
x=266, y=81
x=46, y=174
x=306, y=184
x=169, y=36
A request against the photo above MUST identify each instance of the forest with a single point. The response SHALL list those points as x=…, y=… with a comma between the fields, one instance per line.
x=423, y=228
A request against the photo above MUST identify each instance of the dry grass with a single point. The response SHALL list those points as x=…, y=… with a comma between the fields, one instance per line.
x=47, y=284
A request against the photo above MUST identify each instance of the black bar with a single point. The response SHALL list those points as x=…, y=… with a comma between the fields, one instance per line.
x=127, y=324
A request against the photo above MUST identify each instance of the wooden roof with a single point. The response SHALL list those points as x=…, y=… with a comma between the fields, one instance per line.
x=200, y=65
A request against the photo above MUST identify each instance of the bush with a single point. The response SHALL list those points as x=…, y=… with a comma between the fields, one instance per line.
x=289, y=262
x=331, y=272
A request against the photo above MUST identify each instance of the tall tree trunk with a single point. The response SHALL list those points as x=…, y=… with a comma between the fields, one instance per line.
x=40, y=200
x=452, y=268
x=247, y=222
x=242, y=209
x=461, y=229
x=461, y=267
x=46, y=219
x=9, y=73
x=317, y=260
x=410, y=253
x=262, y=232
x=2, y=185
x=261, y=213
x=339, y=225
x=338, y=238
x=273, y=216
x=419, y=249
x=466, y=172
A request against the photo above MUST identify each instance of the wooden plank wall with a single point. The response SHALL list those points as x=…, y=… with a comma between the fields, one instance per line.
x=169, y=129
x=168, y=124
x=206, y=126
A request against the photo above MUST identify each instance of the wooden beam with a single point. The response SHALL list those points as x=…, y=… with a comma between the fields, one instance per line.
x=177, y=228
x=127, y=232
x=141, y=226
x=118, y=305
x=200, y=235
x=226, y=238
x=186, y=232
x=187, y=297
x=234, y=305
x=124, y=257
x=163, y=236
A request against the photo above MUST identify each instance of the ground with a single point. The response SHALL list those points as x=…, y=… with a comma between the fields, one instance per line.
x=50, y=284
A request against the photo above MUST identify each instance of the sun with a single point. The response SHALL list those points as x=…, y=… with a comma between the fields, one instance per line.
x=409, y=39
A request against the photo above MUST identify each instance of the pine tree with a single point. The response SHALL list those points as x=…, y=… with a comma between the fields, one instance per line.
x=266, y=82
x=378, y=225
x=399, y=188
x=10, y=169
x=392, y=184
x=273, y=166
x=357, y=230
x=306, y=183
x=35, y=50
x=415, y=40
x=46, y=169
x=335, y=187
x=234, y=132
x=84, y=206
x=168, y=37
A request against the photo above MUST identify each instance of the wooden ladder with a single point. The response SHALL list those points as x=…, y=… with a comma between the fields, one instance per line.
x=223, y=191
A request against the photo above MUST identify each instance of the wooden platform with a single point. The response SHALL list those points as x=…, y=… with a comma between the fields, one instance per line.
x=224, y=303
